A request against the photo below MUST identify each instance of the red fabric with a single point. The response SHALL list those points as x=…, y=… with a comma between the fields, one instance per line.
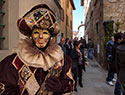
x=18, y=63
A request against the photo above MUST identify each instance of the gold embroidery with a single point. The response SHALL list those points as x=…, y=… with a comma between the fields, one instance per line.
x=25, y=73
x=41, y=17
x=2, y=88
x=28, y=80
x=54, y=71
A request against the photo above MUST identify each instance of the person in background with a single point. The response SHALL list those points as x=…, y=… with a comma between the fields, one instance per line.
x=83, y=41
x=120, y=63
x=37, y=67
x=61, y=44
x=78, y=63
x=75, y=40
x=90, y=48
x=118, y=39
x=71, y=45
x=67, y=46
x=109, y=45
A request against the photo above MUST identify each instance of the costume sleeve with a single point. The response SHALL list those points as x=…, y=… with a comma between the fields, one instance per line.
x=8, y=77
x=66, y=78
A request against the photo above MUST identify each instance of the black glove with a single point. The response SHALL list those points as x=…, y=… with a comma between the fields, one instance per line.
x=53, y=84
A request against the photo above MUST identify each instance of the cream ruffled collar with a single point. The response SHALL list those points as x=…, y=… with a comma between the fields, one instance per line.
x=32, y=56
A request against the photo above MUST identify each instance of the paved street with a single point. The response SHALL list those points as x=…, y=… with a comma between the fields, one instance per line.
x=94, y=81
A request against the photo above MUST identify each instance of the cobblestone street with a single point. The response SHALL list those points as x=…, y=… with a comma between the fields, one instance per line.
x=94, y=81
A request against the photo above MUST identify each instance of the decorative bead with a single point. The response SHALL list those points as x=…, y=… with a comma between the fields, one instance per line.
x=41, y=91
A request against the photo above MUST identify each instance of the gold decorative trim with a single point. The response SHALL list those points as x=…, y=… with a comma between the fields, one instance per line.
x=25, y=73
x=30, y=15
x=2, y=88
x=23, y=88
x=20, y=22
x=14, y=64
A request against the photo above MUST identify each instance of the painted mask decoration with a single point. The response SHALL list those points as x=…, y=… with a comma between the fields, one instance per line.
x=40, y=37
x=39, y=16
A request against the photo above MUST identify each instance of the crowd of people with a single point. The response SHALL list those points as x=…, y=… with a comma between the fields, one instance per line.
x=75, y=49
x=115, y=52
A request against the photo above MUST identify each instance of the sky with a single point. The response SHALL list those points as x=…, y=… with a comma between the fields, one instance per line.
x=78, y=15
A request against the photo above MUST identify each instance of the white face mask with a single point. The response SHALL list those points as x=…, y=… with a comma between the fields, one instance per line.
x=41, y=37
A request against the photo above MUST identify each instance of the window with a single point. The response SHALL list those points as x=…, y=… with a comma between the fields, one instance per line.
x=2, y=25
x=71, y=24
x=95, y=2
x=62, y=14
x=67, y=20
x=62, y=35
x=97, y=24
x=58, y=3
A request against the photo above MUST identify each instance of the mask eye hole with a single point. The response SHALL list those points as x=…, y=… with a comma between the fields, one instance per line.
x=36, y=32
x=45, y=33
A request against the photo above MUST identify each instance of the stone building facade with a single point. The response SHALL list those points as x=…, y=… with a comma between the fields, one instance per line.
x=115, y=9
x=10, y=12
x=94, y=27
x=67, y=18
x=100, y=11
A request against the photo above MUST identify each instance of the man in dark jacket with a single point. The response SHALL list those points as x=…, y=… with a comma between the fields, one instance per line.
x=109, y=47
x=90, y=49
x=118, y=39
x=61, y=44
x=120, y=63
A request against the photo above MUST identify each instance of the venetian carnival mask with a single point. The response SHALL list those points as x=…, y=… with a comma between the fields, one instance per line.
x=40, y=37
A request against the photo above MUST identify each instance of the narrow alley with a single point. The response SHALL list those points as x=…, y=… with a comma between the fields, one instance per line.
x=94, y=81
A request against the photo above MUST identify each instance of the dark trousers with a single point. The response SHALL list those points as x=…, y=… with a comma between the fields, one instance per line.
x=90, y=53
x=75, y=75
x=80, y=74
x=118, y=88
x=123, y=89
x=110, y=76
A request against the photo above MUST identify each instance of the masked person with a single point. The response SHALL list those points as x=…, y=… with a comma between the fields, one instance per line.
x=37, y=67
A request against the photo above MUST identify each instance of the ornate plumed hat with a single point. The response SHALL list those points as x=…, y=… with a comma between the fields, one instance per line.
x=40, y=16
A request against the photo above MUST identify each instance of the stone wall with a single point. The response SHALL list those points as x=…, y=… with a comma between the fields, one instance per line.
x=95, y=30
x=116, y=11
x=100, y=11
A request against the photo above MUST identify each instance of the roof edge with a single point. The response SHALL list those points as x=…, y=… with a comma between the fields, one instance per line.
x=73, y=5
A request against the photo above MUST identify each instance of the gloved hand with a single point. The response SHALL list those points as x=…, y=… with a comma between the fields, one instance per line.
x=53, y=84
